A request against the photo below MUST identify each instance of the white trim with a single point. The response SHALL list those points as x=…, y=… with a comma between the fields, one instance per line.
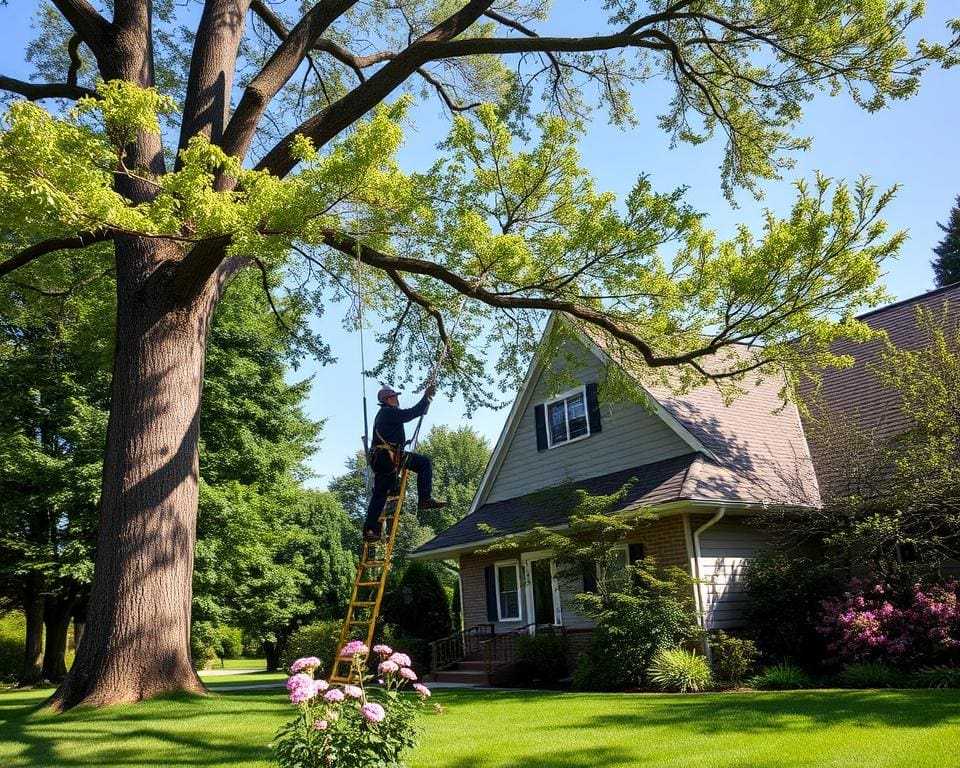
x=527, y=558
x=496, y=579
x=563, y=397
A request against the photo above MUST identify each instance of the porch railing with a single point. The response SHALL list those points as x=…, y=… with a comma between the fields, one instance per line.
x=501, y=650
x=456, y=647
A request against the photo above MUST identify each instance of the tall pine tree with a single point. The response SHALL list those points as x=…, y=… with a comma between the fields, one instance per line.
x=946, y=267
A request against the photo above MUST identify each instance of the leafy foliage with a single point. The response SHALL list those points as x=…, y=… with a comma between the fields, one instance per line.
x=733, y=657
x=417, y=605
x=544, y=655
x=940, y=676
x=631, y=628
x=946, y=265
x=780, y=677
x=317, y=639
x=869, y=674
x=785, y=592
x=680, y=671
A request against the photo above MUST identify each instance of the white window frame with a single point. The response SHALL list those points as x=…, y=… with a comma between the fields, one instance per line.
x=528, y=558
x=563, y=397
x=496, y=573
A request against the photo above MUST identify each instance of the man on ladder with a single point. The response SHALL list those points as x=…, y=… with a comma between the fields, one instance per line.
x=388, y=457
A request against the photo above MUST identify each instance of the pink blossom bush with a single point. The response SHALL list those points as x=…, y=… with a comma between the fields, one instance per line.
x=355, y=725
x=874, y=622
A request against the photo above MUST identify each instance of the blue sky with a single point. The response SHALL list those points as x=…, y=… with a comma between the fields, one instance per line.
x=911, y=143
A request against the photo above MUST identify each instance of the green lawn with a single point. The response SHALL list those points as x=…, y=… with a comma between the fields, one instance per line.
x=484, y=729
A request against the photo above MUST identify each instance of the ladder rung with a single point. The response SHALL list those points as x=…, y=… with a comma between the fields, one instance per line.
x=373, y=564
x=368, y=583
x=362, y=603
x=359, y=621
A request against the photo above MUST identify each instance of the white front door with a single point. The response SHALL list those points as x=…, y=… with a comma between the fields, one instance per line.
x=541, y=589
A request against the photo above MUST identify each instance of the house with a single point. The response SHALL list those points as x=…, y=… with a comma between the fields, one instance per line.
x=705, y=467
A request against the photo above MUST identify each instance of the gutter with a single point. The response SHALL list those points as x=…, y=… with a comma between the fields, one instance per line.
x=699, y=589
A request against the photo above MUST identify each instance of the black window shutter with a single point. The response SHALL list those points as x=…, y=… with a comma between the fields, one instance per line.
x=590, y=581
x=491, y=580
x=634, y=553
x=593, y=409
x=540, y=417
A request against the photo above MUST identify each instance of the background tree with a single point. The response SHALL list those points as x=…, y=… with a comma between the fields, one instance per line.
x=946, y=267
x=459, y=459
x=520, y=232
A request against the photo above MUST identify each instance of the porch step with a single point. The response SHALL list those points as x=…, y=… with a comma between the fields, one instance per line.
x=462, y=676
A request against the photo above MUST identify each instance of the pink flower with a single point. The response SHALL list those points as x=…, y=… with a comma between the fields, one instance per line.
x=353, y=691
x=308, y=663
x=353, y=648
x=422, y=690
x=408, y=674
x=383, y=650
x=302, y=688
x=334, y=695
x=320, y=725
x=401, y=658
x=373, y=712
x=388, y=667
x=321, y=685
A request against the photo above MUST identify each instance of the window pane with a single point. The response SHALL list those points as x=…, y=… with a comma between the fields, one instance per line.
x=558, y=422
x=577, y=416
x=509, y=595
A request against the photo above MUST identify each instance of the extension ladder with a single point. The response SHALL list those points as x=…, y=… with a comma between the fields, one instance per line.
x=368, y=587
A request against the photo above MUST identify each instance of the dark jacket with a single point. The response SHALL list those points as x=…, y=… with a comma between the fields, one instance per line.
x=388, y=425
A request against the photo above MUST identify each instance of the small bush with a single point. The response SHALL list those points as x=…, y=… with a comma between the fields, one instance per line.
x=231, y=642
x=319, y=639
x=416, y=648
x=13, y=632
x=418, y=605
x=545, y=655
x=781, y=677
x=942, y=676
x=868, y=674
x=732, y=658
x=680, y=671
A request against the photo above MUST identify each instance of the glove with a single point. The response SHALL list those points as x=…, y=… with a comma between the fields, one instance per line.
x=430, y=391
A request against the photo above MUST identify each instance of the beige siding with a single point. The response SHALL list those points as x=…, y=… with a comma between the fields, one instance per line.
x=631, y=436
x=726, y=549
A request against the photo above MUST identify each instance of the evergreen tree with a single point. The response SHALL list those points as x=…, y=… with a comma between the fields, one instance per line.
x=946, y=267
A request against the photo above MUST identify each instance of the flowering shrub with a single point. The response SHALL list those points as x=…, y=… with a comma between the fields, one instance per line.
x=354, y=726
x=872, y=622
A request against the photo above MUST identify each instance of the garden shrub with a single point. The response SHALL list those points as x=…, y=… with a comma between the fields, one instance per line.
x=230, y=641
x=905, y=627
x=680, y=671
x=416, y=648
x=785, y=595
x=13, y=632
x=204, y=642
x=869, y=674
x=940, y=676
x=544, y=655
x=780, y=677
x=319, y=639
x=417, y=605
x=631, y=627
x=732, y=658
x=351, y=725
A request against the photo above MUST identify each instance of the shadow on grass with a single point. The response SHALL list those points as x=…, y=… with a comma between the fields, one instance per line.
x=177, y=729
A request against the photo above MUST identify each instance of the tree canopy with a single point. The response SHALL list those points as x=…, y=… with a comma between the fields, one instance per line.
x=249, y=145
x=946, y=265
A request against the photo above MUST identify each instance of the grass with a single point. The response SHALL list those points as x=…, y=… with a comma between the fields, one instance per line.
x=489, y=729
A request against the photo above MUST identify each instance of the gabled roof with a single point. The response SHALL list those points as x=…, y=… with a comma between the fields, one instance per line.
x=751, y=452
x=856, y=392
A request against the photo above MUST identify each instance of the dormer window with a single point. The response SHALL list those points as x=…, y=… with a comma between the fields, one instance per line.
x=573, y=415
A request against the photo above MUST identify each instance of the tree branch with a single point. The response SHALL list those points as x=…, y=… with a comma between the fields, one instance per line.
x=92, y=28
x=417, y=298
x=37, y=91
x=448, y=100
x=27, y=255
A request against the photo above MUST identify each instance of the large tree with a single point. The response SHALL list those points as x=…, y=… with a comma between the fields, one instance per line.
x=946, y=267
x=261, y=169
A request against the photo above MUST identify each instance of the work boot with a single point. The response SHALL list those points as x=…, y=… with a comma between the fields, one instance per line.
x=371, y=536
x=428, y=502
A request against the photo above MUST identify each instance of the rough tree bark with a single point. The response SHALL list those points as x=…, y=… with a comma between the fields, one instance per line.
x=56, y=620
x=32, y=671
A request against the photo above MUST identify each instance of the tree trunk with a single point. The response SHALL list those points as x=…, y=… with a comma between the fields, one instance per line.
x=79, y=622
x=56, y=619
x=272, y=651
x=32, y=671
x=137, y=638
